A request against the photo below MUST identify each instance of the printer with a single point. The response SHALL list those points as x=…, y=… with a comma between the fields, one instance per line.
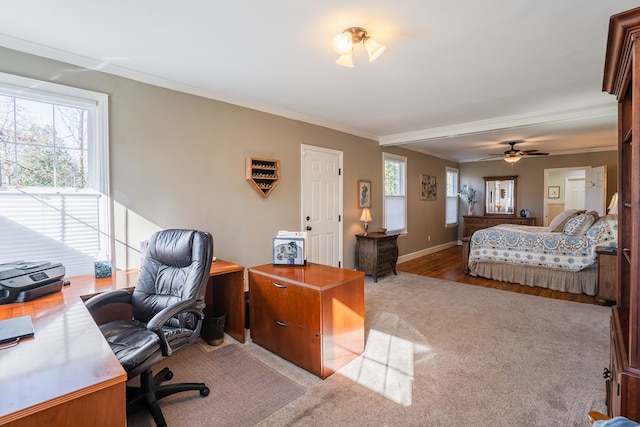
x=24, y=281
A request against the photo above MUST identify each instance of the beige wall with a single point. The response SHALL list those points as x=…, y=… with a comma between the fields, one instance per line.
x=177, y=160
x=531, y=192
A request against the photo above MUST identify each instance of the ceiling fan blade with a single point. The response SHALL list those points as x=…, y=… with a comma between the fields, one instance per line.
x=524, y=153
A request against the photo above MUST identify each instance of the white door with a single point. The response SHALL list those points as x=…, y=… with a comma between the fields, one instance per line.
x=574, y=193
x=596, y=189
x=322, y=204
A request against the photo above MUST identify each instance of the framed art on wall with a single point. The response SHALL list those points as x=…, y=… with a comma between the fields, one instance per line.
x=428, y=187
x=364, y=194
x=553, y=192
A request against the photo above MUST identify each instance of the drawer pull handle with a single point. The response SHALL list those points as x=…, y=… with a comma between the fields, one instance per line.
x=279, y=285
x=280, y=323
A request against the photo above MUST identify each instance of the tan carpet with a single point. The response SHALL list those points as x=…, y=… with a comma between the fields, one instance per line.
x=243, y=389
x=440, y=353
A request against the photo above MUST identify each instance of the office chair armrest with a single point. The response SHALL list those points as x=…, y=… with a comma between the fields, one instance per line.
x=108, y=297
x=162, y=317
x=110, y=306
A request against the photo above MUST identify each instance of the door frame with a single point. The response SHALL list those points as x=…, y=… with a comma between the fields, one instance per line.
x=340, y=155
x=545, y=212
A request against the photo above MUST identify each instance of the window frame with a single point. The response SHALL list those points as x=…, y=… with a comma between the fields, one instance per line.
x=403, y=160
x=97, y=105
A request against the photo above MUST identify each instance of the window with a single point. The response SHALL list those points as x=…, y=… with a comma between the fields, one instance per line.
x=451, y=217
x=395, y=194
x=53, y=174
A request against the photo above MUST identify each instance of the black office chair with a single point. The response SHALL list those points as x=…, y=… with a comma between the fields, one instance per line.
x=167, y=306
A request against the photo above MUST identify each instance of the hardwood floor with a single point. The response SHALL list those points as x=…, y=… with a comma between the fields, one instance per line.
x=447, y=265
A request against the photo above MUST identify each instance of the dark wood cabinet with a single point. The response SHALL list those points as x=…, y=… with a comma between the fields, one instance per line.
x=311, y=315
x=622, y=79
x=376, y=254
x=472, y=224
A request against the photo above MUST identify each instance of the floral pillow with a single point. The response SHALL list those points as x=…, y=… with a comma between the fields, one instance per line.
x=560, y=220
x=581, y=223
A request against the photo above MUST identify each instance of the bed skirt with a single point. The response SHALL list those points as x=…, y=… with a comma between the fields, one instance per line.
x=576, y=282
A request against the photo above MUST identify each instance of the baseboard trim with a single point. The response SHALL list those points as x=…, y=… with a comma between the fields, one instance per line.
x=427, y=251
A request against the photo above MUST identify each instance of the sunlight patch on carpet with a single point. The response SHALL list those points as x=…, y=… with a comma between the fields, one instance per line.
x=386, y=367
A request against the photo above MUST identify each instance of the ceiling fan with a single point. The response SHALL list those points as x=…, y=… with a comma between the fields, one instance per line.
x=513, y=155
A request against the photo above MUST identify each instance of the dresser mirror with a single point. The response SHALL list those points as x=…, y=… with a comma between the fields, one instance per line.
x=500, y=195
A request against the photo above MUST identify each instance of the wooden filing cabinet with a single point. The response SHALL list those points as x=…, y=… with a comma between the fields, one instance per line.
x=312, y=315
x=607, y=274
x=473, y=223
x=376, y=254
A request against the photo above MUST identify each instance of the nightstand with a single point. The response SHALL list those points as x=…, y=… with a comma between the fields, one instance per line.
x=607, y=273
x=376, y=254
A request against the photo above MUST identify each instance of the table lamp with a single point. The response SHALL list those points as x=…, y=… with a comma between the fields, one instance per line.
x=366, y=218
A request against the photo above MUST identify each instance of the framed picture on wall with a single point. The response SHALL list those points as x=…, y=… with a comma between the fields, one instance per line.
x=364, y=194
x=553, y=192
x=428, y=187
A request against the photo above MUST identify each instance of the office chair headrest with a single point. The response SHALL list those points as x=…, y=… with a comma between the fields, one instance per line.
x=172, y=247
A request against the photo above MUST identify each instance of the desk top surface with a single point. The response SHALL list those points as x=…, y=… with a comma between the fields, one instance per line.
x=68, y=356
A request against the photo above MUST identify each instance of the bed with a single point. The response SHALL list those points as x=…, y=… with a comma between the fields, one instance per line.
x=561, y=257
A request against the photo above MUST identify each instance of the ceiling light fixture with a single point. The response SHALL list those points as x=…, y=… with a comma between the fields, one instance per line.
x=344, y=41
x=512, y=158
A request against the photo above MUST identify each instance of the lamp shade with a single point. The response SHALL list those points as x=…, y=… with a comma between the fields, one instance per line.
x=366, y=215
x=613, y=206
x=512, y=159
x=345, y=60
x=342, y=43
x=374, y=49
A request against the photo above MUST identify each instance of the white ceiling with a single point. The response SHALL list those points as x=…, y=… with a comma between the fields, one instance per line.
x=456, y=79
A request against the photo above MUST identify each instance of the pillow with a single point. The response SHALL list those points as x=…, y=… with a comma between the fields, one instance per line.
x=558, y=223
x=581, y=223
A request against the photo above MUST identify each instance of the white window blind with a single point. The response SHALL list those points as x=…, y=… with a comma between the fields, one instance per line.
x=451, y=216
x=395, y=200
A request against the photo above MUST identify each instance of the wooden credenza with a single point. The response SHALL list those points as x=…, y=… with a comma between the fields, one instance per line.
x=471, y=224
x=376, y=254
x=312, y=316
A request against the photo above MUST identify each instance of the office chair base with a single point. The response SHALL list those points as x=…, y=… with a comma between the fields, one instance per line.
x=150, y=391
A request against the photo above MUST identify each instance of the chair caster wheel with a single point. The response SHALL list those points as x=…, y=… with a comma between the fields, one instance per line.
x=204, y=392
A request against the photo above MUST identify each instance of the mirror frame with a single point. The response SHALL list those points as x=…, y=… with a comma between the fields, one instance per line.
x=488, y=194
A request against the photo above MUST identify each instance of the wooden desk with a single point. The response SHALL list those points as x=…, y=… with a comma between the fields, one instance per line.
x=225, y=291
x=66, y=374
x=68, y=366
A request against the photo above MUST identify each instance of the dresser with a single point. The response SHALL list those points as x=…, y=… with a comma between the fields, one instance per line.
x=471, y=224
x=311, y=315
x=376, y=254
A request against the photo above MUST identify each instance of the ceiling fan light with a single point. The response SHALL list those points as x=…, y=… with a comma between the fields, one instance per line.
x=342, y=43
x=345, y=60
x=374, y=49
x=512, y=159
